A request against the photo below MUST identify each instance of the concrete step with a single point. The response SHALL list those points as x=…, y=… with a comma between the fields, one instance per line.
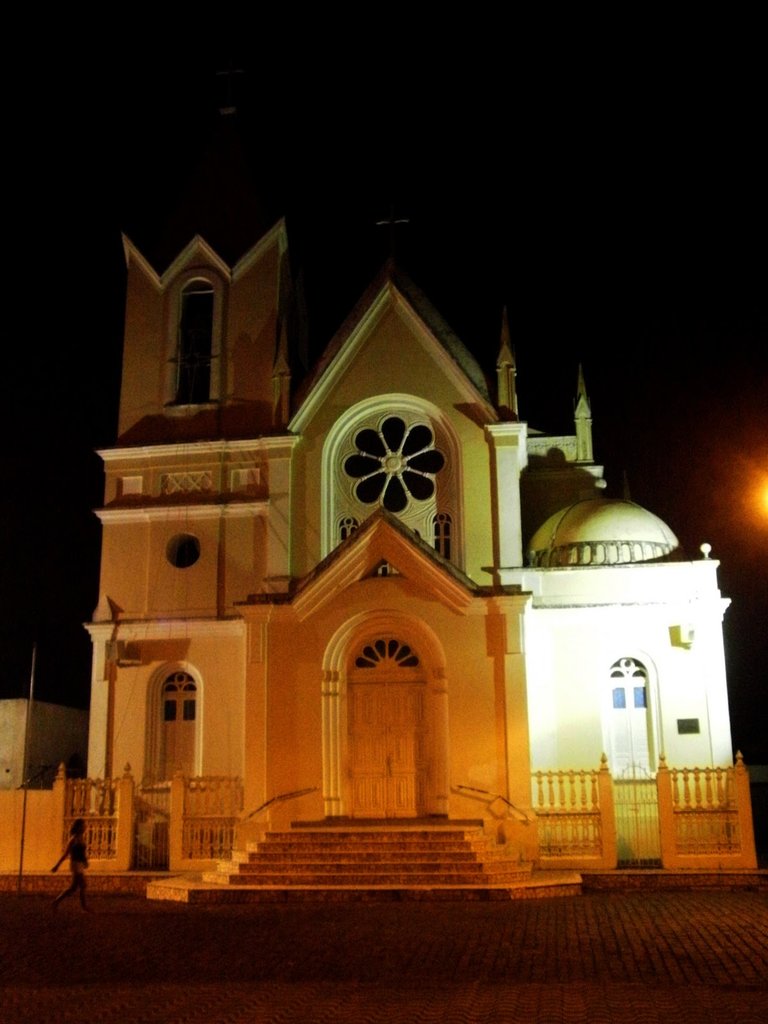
x=343, y=866
x=369, y=842
x=253, y=872
x=370, y=859
x=345, y=856
x=349, y=835
x=361, y=878
x=358, y=849
x=195, y=890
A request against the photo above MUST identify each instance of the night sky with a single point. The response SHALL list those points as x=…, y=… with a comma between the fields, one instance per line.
x=616, y=207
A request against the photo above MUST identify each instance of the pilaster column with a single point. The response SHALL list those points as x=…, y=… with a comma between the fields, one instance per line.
x=332, y=755
x=255, y=711
x=440, y=780
x=98, y=719
x=278, y=567
x=509, y=456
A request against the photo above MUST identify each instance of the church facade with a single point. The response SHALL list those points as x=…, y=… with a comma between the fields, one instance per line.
x=370, y=591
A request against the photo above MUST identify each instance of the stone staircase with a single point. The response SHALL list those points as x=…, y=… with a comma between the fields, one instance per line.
x=358, y=862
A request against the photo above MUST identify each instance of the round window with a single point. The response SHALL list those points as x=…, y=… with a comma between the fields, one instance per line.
x=394, y=464
x=183, y=550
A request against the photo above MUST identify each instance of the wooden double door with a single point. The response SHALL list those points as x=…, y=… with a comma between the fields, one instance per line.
x=387, y=743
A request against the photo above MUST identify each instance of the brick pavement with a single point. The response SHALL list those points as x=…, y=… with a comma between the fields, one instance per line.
x=639, y=957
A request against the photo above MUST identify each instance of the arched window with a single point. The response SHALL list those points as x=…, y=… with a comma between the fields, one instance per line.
x=347, y=527
x=441, y=533
x=195, y=344
x=179, y=714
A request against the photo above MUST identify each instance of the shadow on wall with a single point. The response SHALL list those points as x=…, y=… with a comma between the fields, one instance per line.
x=758, y=789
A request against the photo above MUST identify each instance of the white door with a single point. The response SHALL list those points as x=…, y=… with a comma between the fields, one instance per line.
x=179, y=710
x=630, y=747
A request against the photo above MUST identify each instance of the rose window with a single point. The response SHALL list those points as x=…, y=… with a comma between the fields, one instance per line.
x=394, y=463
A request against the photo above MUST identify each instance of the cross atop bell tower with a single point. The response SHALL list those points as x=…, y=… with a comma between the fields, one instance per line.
x=227, y=104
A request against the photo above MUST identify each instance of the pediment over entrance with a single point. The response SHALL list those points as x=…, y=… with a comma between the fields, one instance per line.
x=383, y=541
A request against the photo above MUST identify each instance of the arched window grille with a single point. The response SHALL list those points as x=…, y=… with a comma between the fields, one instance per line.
x=385, y=651
x=347, y=527
x=632, y=691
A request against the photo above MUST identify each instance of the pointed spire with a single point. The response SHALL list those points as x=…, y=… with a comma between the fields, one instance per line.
x=281, y=378
x=625, y=486
x=581, y=387
x=582, y=416
x=506, y=370
x=222, y=192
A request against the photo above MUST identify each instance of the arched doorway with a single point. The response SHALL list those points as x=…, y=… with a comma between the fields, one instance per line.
x=385, y=720
x=632, y=752
x=173, y=739
x=388, y=731
x=173, y=709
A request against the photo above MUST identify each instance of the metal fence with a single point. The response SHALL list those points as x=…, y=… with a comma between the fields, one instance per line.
x=151, y=826
x=212, y=808
x=638, y=838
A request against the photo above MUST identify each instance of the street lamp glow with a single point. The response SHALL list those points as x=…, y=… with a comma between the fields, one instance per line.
x=763, y=499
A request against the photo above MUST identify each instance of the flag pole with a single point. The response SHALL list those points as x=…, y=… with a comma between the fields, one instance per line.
x=24, y=780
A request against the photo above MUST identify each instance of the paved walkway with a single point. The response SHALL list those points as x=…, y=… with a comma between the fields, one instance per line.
x=632, y=957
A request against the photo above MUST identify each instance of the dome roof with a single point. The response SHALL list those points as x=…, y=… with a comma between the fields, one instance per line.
x=601, y=531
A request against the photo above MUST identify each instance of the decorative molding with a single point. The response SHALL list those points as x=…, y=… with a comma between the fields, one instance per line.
x=179, y=513
x=167, y=629
x=257, y=445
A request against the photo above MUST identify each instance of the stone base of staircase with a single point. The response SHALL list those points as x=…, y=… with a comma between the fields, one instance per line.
x=192, y=889
x=369, y=861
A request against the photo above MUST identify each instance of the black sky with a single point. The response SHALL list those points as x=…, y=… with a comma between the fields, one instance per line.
x=616, y=205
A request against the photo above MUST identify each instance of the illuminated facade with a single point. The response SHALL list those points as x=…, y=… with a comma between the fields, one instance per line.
x=371, y=583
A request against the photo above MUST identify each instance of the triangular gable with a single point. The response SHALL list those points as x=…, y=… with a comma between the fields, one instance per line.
x=383, y=538
x=391, y=288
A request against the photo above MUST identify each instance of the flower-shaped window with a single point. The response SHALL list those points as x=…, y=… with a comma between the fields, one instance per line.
x=381, y=651
x=394, y=463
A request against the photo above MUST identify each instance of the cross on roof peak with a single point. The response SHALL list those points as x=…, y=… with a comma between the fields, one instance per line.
x=392, y=222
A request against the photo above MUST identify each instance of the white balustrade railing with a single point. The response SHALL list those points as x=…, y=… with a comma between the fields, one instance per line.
x=705, y=811
x=568, y=808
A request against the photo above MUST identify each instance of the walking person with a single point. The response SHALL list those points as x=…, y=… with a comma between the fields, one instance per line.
x=78, y=862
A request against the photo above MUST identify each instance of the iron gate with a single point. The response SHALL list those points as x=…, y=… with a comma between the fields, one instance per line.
x=151, y=816
x=637, y=818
